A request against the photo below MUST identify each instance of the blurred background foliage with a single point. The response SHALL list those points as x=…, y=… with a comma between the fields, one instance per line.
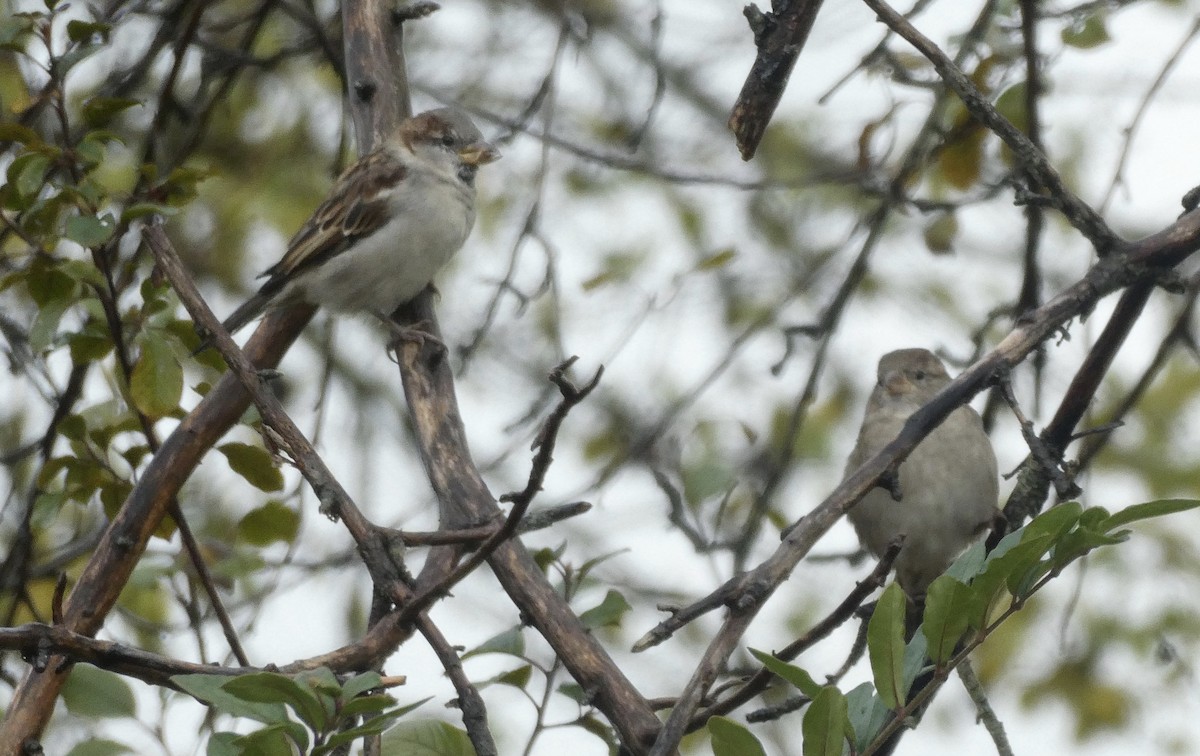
x=739, y=309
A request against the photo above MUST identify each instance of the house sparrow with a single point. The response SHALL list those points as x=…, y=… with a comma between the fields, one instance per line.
x=948, y=486
x=390, y=223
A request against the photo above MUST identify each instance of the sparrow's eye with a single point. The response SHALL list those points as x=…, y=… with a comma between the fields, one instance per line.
x=448, y=140
x=919, y=375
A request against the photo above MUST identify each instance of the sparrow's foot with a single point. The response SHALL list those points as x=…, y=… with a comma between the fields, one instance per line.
x=890, y=482
x=414, y=334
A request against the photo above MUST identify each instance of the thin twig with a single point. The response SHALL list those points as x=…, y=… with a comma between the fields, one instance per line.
x=1086, y=220
x=844, y=611
x=474, y=713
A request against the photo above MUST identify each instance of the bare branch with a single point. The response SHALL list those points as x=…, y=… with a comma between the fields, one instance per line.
x=779, y=35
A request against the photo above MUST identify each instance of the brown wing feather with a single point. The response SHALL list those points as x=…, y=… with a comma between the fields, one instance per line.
x=356, y=206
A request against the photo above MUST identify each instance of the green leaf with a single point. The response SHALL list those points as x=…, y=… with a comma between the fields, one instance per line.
x=95, y=693
x=210, y=689
x=43, y=332
x=275, y=740
x=406, y=708
x=157, y=381
x=1053, y=524
x=271, y=522
x=1092, y=32
x=373, y=723
x=85, y=273
x=88, y=345
x=426, y=737
x=372, y=726
x=1054, y=521
x=866, y=713
x=591, y=723
x=826, y=723
x=885, y=645
x=268, y=687
x=156, y=297
x=91, y=152
x=90, y=231
x=99, y=111
x=1083, y=539
x=179, y=187
x=607, y=613
x=716, y=260
x=792, y=674
x=143, y=209
x=941, y=233
x=27, y=174
x=545, y=557
x=574, y=692
x=617, y=268
x=254, y=464
x=1012, y=105
x=47, y=283
x=960, y=162
x=100, y=747
x=586, y=568
x=970, y=563
x=947, y=603
x=1000, y=570
x=322, y=681
x=706, y=478
x=915, y=657
x=223, y=744
x=510, y=642
x=83, y=31
x=113, y=495
x=11, y=131
x=360, y=683
x=364, y=705
x=1146, y=510
x=517, y=678
x=729, y=738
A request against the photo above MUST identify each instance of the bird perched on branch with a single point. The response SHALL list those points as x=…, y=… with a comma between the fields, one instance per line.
x=389, y=224
x=947, y=489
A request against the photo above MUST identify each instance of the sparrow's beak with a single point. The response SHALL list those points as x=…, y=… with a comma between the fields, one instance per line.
x=897, y=383
x=478, y=153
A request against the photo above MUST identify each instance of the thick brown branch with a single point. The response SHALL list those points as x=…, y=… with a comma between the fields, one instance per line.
x=465, y=500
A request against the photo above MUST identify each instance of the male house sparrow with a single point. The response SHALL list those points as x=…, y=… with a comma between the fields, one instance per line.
x=948, y=485
x=389, y=224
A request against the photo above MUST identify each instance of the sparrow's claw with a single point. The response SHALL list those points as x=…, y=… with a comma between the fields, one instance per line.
x=890, y=482
x=414, y=334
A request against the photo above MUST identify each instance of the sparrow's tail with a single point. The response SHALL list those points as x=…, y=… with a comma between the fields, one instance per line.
x=249, y=310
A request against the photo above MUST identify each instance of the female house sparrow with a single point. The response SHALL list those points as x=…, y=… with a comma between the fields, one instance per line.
x=948, y=485
x=389, y=224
